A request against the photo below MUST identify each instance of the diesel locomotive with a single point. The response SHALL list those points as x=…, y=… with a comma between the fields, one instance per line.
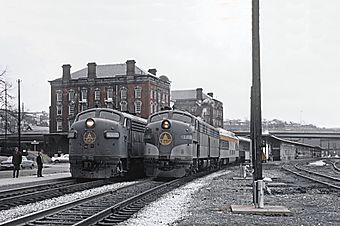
x=178, y=144
x=105, y=143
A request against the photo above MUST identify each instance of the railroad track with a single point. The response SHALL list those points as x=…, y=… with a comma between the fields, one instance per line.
x=336, y=166
x=106, y=208
x=28, y=194
x=321, y=178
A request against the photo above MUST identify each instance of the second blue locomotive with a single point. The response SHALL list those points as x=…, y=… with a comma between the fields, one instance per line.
x=178, y=144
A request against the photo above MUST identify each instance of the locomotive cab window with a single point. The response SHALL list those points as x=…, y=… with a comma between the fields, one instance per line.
x=109, y=115
x=86, y=115
x=181, y=117
x=159, y=117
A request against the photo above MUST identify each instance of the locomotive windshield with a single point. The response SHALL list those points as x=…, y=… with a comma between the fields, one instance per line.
x=159, y=117
x=109, y=115
x=86, y=115
x=181, y=117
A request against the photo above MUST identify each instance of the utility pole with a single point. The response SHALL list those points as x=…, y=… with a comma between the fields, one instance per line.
x=256, y=119
x=19, y=117
x=6, y=120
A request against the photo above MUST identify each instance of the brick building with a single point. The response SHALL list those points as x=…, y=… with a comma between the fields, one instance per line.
x=199, y=104
x=124, y=87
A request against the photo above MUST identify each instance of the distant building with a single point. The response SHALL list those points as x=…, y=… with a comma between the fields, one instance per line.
x=199, y=104
x=124, y=87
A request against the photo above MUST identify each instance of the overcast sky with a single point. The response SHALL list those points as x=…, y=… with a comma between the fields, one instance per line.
x=196, y=43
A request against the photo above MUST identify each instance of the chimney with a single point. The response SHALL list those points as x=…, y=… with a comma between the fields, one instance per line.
x=91, y=70
x=152, y=71
x=130, y=67
x=199, y=94
x=66, y=72
x=211, y=95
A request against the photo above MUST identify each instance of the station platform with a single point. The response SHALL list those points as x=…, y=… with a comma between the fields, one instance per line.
x=29, y=179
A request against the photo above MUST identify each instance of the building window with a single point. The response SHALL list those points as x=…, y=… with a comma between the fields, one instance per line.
x=109, y=94
x=97, y=95
x=83, y=107
x=154, y=95
x=59, y=126
x=123, y=106
x=59, y=96
x=71, y=110
x=159, y=97
x=71, y=95
x=84, y=95
x=109, y=105
x=155, y=105
x=151, y=107
x=138, y=106
x=123, y=93
x=59, y=109
x=138, y=92
x=151, y=93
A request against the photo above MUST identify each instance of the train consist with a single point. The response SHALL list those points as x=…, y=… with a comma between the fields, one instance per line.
x=105, y=143
x=179, y=144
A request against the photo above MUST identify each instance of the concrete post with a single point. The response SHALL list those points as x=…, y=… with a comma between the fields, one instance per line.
x=260, y=193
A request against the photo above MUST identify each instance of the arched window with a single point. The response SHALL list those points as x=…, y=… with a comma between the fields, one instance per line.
x=138, y=106
x=59, y=109
x=138, y=92
x=59, y=95
x=71, y=95
x=97, y=94
x=151, y=107
x=123, y=93
x=123, y=106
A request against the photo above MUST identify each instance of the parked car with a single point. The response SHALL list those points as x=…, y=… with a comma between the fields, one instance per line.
x=62, y=158
x=25, y=164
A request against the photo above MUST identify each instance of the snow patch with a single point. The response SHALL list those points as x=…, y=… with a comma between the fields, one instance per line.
x=317, y=163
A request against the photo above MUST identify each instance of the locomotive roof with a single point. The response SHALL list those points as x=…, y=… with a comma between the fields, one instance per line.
x=226, y=133
x=133, y=117
x=184, y=112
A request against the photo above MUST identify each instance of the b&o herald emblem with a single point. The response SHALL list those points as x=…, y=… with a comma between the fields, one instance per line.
x=165, y=138
x=89, y=137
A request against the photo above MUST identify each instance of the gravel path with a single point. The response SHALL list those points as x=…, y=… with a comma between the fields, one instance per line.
x=310, y=204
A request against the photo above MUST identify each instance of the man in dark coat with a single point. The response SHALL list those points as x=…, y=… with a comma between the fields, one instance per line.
x=39, y=164
x=16, y=161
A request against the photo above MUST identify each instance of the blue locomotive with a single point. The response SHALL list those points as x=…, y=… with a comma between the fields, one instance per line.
x=105, y=143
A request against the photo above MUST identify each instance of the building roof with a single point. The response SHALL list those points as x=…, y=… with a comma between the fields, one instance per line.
x=186, y=94
x=108, y=70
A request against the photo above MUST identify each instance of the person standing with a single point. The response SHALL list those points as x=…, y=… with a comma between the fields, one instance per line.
x=16, y=161
x=39, y=164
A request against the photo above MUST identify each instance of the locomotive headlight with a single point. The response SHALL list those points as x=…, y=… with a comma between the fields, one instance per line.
x=89, y=123
x=111, y=134
x=166, y=124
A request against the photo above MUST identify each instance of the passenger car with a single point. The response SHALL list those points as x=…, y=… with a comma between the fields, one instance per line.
x=61, y=158
x=25, y=164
